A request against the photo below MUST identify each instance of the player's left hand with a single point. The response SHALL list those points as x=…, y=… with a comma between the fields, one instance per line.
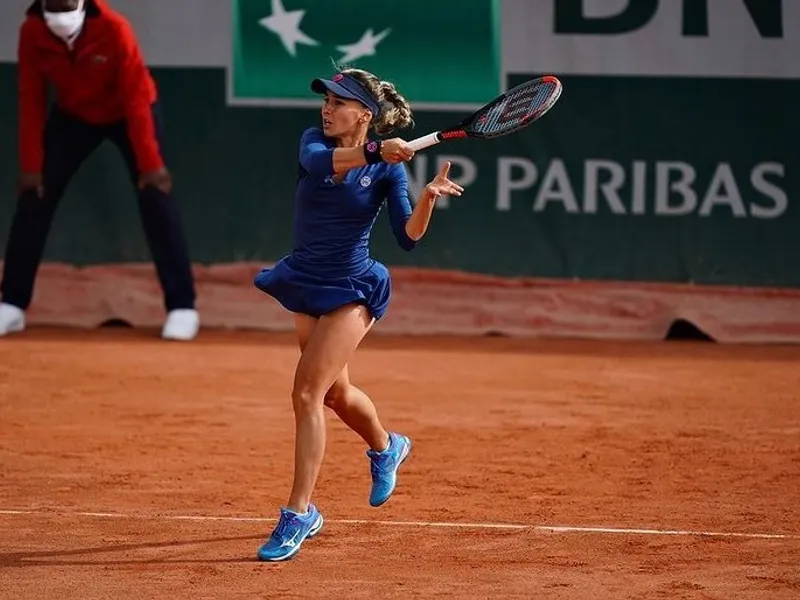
x=442, y=186
x=160, y=179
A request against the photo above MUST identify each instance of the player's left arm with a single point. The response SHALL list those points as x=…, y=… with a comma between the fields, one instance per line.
x=415, y=222
x=134, y=84
x=398, y=203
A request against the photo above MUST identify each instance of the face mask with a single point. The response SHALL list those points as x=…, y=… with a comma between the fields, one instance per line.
x=65, y=24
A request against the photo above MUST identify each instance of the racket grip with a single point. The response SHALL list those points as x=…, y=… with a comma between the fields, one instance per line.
x=425, y=141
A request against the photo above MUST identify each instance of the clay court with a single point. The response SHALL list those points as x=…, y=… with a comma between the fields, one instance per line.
x=133, y=467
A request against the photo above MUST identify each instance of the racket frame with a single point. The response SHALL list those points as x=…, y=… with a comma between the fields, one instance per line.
x=459, y=131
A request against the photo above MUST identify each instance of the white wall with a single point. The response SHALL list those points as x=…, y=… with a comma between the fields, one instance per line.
x=171, y=32
x=198, y=33
x=733, y=47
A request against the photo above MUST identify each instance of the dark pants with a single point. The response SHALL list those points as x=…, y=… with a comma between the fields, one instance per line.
x=68, y=142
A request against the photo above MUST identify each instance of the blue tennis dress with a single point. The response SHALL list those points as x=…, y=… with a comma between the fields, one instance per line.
x=330, y=264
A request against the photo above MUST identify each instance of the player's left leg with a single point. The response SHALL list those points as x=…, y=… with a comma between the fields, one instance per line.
x=350, y=404
x=387, y=451
x=163, y=229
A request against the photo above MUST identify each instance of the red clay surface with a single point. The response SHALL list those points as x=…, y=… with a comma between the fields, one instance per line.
x=657, y=436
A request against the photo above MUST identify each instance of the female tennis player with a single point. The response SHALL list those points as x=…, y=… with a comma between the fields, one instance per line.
x=335, y=290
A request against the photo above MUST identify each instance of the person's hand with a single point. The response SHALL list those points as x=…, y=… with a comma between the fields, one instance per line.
x=31, y=181
x=441, y=185
x=396, y=150
x=160, y=179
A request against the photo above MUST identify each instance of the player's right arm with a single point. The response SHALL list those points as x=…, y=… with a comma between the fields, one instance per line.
x=320, y=160
x=32, y=110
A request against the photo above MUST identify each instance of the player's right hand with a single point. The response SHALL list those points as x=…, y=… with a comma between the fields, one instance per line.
x=396, y=150
x=31, y=181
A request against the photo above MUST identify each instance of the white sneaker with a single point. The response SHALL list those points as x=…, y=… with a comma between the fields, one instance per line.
x=11, y=318
x=181, y=324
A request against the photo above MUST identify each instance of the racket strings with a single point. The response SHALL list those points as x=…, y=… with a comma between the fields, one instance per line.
x=519, y=106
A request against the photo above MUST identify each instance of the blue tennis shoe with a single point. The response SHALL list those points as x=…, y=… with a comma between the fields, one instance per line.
x=290, y=533
x=384, y=466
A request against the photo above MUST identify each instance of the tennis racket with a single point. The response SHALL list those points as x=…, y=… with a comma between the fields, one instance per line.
x=515, y=109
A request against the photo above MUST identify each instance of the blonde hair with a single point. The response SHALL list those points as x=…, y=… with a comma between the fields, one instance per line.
x=395, y=109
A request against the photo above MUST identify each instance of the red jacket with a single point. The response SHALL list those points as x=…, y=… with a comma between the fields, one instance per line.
x=102, y=80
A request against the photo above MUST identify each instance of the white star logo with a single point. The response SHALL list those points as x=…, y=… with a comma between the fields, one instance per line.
x=363, y=47
x=286, y=25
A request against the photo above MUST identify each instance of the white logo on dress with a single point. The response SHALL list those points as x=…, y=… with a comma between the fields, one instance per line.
x=365, y=181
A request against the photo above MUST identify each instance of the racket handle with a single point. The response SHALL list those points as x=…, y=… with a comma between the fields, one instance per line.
x=425, y=141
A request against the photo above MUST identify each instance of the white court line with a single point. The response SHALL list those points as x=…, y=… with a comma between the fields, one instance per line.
x=434, y=524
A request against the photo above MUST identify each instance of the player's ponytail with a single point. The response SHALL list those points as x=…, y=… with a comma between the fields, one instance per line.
x=396, y=113
x=395, y=109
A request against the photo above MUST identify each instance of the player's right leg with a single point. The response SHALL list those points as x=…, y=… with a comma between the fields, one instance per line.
x=327, y=350
x=67, y=143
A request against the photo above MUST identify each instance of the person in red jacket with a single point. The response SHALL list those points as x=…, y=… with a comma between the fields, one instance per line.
x=89, y=55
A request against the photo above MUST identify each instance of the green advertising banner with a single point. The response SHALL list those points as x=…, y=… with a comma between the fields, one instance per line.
x=649, y=168
x=444, y=58
x=688, y=191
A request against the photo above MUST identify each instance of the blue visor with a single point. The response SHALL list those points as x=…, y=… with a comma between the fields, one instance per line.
x=349, y=88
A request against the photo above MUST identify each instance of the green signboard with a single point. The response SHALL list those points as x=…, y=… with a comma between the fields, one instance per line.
x=440, y=58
